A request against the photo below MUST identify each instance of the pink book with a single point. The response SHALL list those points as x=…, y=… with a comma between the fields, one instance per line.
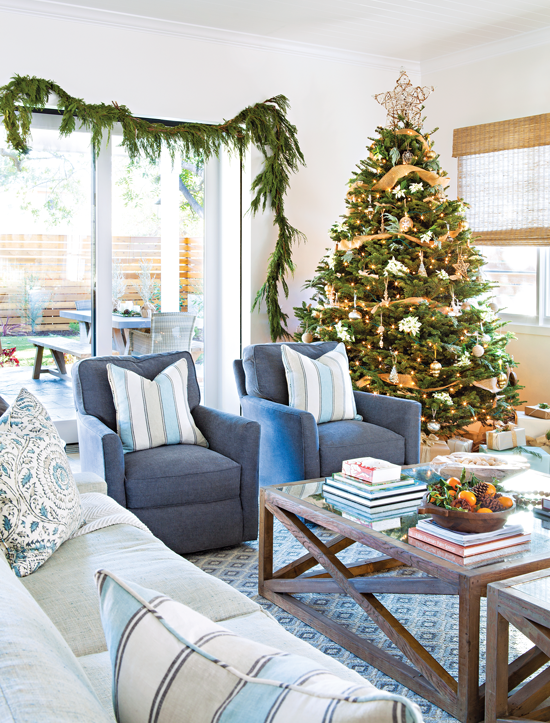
x=467, y=551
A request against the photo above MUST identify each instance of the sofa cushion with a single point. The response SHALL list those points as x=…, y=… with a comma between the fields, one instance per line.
x=153, y=412
x=349, y=439
x=169, y=662
x=264, y=370
x=40, y=678
x=180, y=474
x=259, y=626
x=92, y=392
x=39, y=500
x=320, y=386
x=64, y=586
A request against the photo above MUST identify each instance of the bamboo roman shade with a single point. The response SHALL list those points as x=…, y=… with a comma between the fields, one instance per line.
x=504, y=174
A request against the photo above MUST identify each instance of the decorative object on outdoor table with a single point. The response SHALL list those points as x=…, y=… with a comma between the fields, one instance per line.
x=264, y=125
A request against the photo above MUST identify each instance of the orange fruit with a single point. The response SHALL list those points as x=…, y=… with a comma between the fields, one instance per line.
x=468, y=496
x=485, y=509
x=491, y=490
x=506, y=502
x=453, y=482
x=452, y=493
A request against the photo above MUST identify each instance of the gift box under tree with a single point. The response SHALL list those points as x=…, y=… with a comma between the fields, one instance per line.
x=506, y=437
x=542, y=411
x=431, y=446
x=537, y=457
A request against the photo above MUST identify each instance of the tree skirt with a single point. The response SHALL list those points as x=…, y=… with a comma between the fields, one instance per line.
x=432, y=619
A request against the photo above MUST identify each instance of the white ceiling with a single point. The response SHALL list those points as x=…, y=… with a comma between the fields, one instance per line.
x=414, y=30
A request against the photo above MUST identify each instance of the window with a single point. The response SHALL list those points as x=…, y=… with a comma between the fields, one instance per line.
x=504, y=175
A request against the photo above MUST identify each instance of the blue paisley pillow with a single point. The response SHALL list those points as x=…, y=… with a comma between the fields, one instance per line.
x=39, y=499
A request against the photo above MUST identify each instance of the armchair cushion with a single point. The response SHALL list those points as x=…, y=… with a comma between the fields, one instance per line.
x=153, y=413
x=92, y=391
x=180, y=474
x=320, y=386
x=264, y=370
x=349, y=439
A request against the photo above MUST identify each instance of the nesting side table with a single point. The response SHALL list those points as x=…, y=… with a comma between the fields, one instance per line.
x=523, y=602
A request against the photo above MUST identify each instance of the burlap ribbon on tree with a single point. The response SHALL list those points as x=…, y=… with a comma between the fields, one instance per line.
x=390, y=178
x=406, y=380
x=357, y=241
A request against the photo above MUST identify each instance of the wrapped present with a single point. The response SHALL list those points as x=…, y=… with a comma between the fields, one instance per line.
x=431, y=446
x=460, y=444
x=505, y=436
x=371, y=470
x=476, y=432
x=538, y=458
x=542, y=411
x=534, y=426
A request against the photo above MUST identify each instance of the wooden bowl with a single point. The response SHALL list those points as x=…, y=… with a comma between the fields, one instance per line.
x=465, y=521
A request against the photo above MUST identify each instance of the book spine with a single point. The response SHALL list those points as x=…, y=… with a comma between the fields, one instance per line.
x=374, y=495
x=332, y=498
x=372, y=503
x=469, y=550
x=458, y=560
x=361, y=484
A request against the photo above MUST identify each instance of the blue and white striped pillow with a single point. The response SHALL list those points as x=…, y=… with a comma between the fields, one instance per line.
x=172, y=664
x=321, y=386
x=153, y=413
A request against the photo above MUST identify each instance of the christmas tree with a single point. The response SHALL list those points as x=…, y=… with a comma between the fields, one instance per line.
x=403, y=286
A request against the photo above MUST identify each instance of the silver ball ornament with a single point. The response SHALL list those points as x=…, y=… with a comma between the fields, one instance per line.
x=493, y=306
x=433, y=426
x=478, y=350
x=307, y=337
x=354, y=315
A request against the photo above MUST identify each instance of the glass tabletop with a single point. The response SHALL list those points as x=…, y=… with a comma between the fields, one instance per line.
x=539, y=589
x=527, y=487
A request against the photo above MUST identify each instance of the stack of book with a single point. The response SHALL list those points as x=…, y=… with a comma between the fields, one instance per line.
x=470, y=549
x=375, y=491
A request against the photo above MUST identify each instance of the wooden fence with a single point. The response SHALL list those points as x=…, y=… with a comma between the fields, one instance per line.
x=62, y=266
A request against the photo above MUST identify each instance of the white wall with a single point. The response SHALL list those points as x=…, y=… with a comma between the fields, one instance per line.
x=169, y=77
x=500, y=88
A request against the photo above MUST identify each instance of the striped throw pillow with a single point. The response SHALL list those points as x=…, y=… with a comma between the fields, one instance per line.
x=153, y=413
x=170, y=664
x=321, y=386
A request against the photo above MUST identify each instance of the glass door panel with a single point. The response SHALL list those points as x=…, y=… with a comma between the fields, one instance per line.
x=45, y=211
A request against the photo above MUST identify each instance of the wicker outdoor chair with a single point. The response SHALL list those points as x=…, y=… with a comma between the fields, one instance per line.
x=170, y=331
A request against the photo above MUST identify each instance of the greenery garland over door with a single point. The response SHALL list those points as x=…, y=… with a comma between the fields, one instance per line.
x=263, y=125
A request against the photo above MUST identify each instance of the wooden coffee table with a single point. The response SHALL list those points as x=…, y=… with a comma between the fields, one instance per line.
x=523, y=602
x=462, y=697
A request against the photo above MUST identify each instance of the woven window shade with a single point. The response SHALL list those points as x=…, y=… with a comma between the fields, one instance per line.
x=504, y=174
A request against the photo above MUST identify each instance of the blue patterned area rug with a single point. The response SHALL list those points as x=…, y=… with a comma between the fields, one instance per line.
x=432, y=619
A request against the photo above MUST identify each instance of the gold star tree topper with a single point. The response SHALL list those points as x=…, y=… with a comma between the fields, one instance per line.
x=405, y=101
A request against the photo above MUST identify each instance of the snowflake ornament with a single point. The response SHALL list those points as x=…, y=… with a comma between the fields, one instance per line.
x=410, y=325
x=443, y=275
x=343, y=332
x=443, y=398
x=463, y=360
x=426, y=237
x=414, y=187
x=399, y=192
x=396, y=268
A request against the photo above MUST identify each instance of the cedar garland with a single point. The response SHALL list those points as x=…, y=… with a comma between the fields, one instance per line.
x=263, y=125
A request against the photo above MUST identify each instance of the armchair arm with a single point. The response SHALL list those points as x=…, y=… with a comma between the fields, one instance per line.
x=101, y=453
x=289, y=443
x=400, y=415
x=238, y=439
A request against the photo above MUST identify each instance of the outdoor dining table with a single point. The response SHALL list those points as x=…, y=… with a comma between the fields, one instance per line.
x=120, y=324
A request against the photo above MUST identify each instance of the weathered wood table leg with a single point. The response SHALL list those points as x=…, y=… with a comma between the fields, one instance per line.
x=265, y=552
x=496, y=677
x=469, y=703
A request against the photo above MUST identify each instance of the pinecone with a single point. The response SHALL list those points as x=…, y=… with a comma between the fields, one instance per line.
x=490, y=503
x=463, y=504
x=480, y=489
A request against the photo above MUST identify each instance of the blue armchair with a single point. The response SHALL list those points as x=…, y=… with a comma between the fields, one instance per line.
x=191, y=497
x=294, y=447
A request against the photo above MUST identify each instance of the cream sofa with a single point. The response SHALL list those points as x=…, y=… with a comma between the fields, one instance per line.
x=54, y=665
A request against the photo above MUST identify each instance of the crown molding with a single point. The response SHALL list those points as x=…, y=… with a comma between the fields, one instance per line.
x=127, y=21
x=478, y=53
